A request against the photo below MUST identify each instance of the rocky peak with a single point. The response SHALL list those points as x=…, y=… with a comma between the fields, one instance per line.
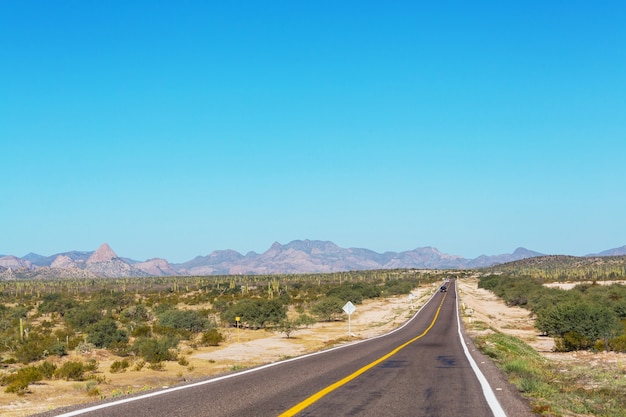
x=62, y=261
x=103, y=254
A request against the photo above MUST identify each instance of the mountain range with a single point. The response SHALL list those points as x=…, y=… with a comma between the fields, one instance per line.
x=298, y=256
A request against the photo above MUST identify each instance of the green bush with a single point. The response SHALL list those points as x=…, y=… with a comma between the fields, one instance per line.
x=211, y=338
x=578, y=325
x=72, y=370
x=136, y=313
x=18, y=382
x=155, y=350
x=56, y=303
x=83, y=317
x=142, y=331
x=189, y=320
x=119, y=366
x=256, y=313
x=328, y=308
x=397, y=287
x=47, y=369
x=37, y=346
x=618, y=344
x=346, y=293
x=105, y=333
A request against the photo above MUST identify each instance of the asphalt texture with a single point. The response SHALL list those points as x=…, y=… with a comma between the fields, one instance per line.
x=421, y=370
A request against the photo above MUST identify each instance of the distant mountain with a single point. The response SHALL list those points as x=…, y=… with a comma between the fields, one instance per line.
x=155, y=267
x=298, y=256
x=218, y=262
x=565, y=267
x=105, y=263
x=9, y=261
x=612, y=252
x=39, y=260
x=518, y=254
x=302, y=256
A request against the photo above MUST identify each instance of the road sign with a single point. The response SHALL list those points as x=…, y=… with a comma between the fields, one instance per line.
x=349, y=308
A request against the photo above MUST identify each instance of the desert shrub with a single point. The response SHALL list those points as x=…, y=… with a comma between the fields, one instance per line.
x=141, y=331
x=91, y=365
x=113, y=303
x=105, y=333
x=56, y=303
x=572, y=341
x=136, y=313
x=328, y=308
x=288, y=326
x=139, y=365
x=155, y=350
x=189, y=320
x=306, y=320
x=37, y=346
x=256, y=313
x=397, y=287
x=17, y=383
x=47, y=369
x=618, y=344
x=72, y=370
x=346, y=293
x=85, y=347
x=119, y=366
x=157, y=366
x=578, y=325
x=58, y=349
x=68, y=337
x=211, y=338
x=29, y=351
x=81, y=318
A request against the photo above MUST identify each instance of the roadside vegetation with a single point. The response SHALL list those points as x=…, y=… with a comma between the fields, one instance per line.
x=563, y=388
x=144, y=321
x=590, y=318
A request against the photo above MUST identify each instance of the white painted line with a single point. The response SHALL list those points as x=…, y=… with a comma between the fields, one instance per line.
x=490, y=396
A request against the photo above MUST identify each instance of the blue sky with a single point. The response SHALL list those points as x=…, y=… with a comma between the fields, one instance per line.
x=172, y=129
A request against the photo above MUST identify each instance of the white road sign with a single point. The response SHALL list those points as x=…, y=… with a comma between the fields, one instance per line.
x=349, y=308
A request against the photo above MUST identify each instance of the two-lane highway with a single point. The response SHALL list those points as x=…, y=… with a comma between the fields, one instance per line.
x=418, y=370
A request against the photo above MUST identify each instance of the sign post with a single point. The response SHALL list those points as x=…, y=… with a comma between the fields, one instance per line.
x=237, y=319
x=349, y=308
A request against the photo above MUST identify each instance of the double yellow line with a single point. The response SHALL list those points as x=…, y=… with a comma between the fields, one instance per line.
x=318, y=395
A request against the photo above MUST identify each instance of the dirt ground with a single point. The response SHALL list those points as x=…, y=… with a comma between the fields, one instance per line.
x=244, y=348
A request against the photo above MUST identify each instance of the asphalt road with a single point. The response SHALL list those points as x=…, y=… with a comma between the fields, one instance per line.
x=419, y=370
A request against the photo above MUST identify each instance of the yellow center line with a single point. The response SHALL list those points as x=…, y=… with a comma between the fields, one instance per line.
x=318, y=395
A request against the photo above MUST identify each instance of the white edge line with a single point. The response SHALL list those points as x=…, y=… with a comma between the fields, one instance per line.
x=209, y=381
x=490, y=396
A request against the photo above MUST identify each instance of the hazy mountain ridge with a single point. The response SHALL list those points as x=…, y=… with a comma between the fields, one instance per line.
x=298, y=256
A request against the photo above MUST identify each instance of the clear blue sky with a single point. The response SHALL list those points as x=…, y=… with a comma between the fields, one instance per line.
x=172, y=129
